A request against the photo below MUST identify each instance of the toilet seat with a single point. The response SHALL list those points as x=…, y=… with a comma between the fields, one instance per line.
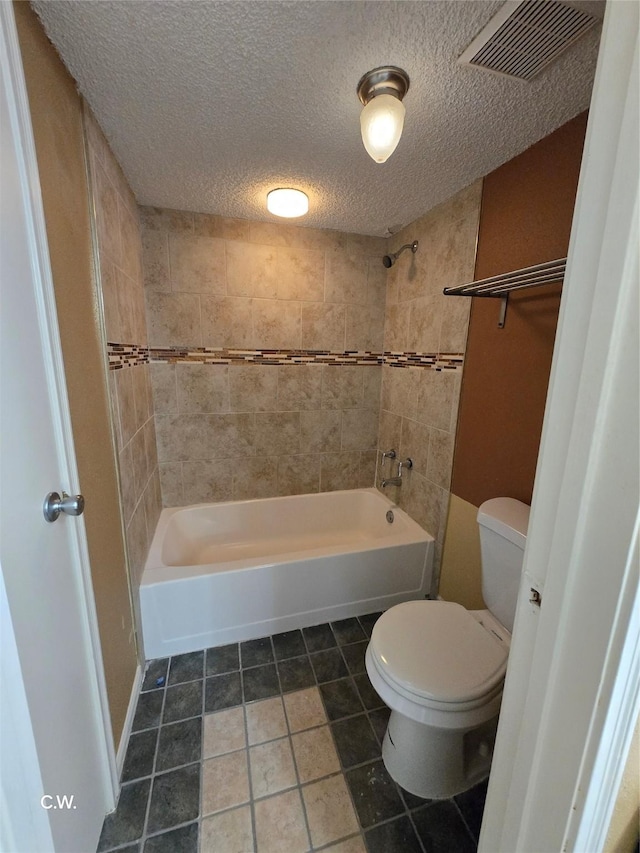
x=438, y=655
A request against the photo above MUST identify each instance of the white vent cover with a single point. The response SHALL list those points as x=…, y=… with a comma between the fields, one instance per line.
x=525, y=36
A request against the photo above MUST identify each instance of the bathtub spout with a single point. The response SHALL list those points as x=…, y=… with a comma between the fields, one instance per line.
x=391, y=481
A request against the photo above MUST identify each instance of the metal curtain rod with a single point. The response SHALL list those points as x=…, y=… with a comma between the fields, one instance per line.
x=499, y=286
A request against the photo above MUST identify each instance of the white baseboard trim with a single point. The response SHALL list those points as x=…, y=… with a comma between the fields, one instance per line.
x=128, y=720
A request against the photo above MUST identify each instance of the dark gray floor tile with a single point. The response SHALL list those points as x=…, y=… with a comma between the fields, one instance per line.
x=148, y=710
x=355, y=741
x=348, y=631
x=256, y=652
x=296, y=674
x=319, y=637
x=127, y=821
x=289, y=645
x=141, y=750
x=442, y=830
x=223, y=659
x=180, y=743
x=260, y=682
x=411, y=801
x=379, y=720
x=222, y=691
x=397, y=836
x=471, y=804
x=156, y=670
x=329, y=665
x=175, y=798
x=374, y=793
x=369, y=621
x=367, y=692
x=187, y=667
x=182, y=840
x=183, y=700
x=340, y=699
x=354, y=656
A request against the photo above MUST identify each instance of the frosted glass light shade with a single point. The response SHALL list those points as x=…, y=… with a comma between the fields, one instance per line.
x=381, y=123
x=287, y=202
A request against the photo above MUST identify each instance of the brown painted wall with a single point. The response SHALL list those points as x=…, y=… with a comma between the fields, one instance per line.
x=56, y=114
x=527, y=208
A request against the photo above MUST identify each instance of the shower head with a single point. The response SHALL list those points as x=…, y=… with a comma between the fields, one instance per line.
x=389, y=260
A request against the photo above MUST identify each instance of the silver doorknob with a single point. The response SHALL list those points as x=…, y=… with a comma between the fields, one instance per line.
x=69, y=504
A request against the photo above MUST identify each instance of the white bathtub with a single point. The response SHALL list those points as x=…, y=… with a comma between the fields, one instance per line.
x=221, y=573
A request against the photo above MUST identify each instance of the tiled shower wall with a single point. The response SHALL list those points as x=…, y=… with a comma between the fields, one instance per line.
x=419, y=407
x=240, y=430
x=120, y=256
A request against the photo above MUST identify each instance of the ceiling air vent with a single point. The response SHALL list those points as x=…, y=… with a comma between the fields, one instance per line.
x=525, y=36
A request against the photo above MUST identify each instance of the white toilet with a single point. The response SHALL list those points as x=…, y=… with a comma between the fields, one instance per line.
x=440, y=668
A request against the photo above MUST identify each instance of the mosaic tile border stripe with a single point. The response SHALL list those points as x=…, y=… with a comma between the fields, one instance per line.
x=129, y=355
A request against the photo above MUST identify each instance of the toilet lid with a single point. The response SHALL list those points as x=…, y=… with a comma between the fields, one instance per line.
x=437, y=650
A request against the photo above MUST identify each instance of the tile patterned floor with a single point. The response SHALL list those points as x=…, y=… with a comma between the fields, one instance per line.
x=274, y=746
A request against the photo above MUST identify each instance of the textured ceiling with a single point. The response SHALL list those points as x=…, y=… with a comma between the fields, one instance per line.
x=208, y=105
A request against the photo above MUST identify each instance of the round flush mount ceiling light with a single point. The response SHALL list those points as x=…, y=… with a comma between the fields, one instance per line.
x=381, y=121
x=288, y=202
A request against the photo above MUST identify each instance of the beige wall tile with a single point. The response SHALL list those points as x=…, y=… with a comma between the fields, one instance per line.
x=298, y=474
x=225, y=782
x=300, y=274
x=323, y=326
x=414, y=443
x=206, y=482
x=229, y=831
x=197, y=264
x=371, y=387
x=400, y=389
x=329, y=810
x=163, y=384
x=435, y=398
x=367, y=477
x=299, y=387
x=280, y=824
x=339, y=471
x=272, y=768
x=455, y=324
x=155, y=260
x=277, y=433
x=377, y=281
x=109, y=285
x=424, y=325
x=440, y=458
x=166, y=219
x=223, y=732
x=365, y=328
x=304, y=709
x=251, y=270
x=171, y=483
x=141, y=398
x=320, y=431
x=346, y=278
x=107, y=221
x=152, y=498
x=139, y=458
x=184, y=438
x=389, y=431
x=276, y=324
x=127, y=483
x=173, y=319
x=265, y=720
x=136, y=537
x=396, y=328
x=227, y=322
x=425, y=502
x=130, y=242
x=359, y=429
x=126, y=404
x=342, y=387
x=272, y=233
x=131, y=308
x=202, y=387
x=253, y=387
x=315, y=754
x=254, y=477
x=210, y=225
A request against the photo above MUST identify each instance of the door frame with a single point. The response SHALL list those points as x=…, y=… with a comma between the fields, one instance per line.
x=20, y=726
x=572, y=694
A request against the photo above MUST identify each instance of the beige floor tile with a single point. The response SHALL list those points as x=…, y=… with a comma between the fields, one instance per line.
x=223, y=732
x=272, y=767
x=225, y=782
x=329, y=810
x=304, y=709
x=280, y=826
x=230, y=832
x=265, y=720
x=352, y=845
x=315, y=754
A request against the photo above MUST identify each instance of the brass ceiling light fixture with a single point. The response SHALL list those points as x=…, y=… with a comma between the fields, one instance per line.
x=381, y=91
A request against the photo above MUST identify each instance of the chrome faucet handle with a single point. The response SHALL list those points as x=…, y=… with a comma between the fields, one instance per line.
x=388, y=454
x=404, y=463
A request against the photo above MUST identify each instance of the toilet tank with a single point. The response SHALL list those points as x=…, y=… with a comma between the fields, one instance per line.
x=503, y=534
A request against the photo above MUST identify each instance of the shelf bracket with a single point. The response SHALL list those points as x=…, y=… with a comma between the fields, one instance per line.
x=504, y=301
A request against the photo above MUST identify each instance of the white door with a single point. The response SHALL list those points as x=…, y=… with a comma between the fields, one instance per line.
x=44, y=565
